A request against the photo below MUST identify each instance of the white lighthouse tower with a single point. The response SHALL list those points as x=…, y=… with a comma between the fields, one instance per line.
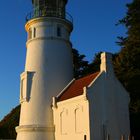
x=48, y=67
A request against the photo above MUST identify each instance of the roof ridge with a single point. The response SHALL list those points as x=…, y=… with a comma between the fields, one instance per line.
x=84, y=77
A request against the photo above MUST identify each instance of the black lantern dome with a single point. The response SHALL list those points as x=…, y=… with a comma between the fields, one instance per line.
x=54, y=8
x=49, y=8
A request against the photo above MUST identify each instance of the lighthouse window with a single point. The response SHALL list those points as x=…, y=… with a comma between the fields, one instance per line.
x=58, y=31
x=30, y=34
x=25, y=87
x=34, y=32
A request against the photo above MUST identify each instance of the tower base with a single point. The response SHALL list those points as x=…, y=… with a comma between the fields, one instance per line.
x=35, y=132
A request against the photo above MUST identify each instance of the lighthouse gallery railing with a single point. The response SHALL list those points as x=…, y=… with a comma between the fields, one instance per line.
x=48, y=12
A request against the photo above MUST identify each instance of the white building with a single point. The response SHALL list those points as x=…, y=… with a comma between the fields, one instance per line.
x=94, y=107
x=54, y=106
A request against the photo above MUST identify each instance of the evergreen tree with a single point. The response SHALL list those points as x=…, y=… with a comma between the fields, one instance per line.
x=127, y=63
x=79, y=63
x=8, y=124
x=83, y=67
x=94, y=66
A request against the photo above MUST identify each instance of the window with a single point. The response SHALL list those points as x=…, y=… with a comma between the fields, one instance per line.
x=78, y=120
x=30, y=34
x=34, y=32
x=64, y=122
x=58, y=31
x=85, y=137
x=25, y=86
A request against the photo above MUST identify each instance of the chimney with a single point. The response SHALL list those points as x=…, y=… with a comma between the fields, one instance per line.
x=106, y=62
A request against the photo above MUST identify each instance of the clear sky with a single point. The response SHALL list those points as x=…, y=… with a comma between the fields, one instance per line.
x=94, y=31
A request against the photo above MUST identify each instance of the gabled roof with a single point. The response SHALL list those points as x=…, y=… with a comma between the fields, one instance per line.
x=76, y=87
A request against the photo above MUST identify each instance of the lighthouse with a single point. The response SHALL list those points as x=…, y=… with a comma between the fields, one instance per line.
x=48, y=67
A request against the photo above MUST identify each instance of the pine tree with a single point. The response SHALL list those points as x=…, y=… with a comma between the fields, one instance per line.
x=8, y=124
x=79, y=63
x=127, y=63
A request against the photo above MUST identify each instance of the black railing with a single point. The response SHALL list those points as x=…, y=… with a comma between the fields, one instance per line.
x=45, y=12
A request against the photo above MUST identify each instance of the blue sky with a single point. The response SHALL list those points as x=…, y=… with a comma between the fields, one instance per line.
x=94, y=31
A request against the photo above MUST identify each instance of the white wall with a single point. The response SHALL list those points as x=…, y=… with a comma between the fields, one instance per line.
x=71, y=119
x=49, y=62
x=108, y=105
x=105, y=113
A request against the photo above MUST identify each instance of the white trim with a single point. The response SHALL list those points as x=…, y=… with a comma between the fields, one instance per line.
x=72, y=100
x=23, y=94
x=34, y=128
x=47, y=38
x=85, y=92
x=65, y=88
x=95, y=79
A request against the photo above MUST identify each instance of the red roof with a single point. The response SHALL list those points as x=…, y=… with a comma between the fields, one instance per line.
x=76, y=87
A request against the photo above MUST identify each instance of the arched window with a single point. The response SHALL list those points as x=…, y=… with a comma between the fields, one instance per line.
x=63, y=122
x=79, y=120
